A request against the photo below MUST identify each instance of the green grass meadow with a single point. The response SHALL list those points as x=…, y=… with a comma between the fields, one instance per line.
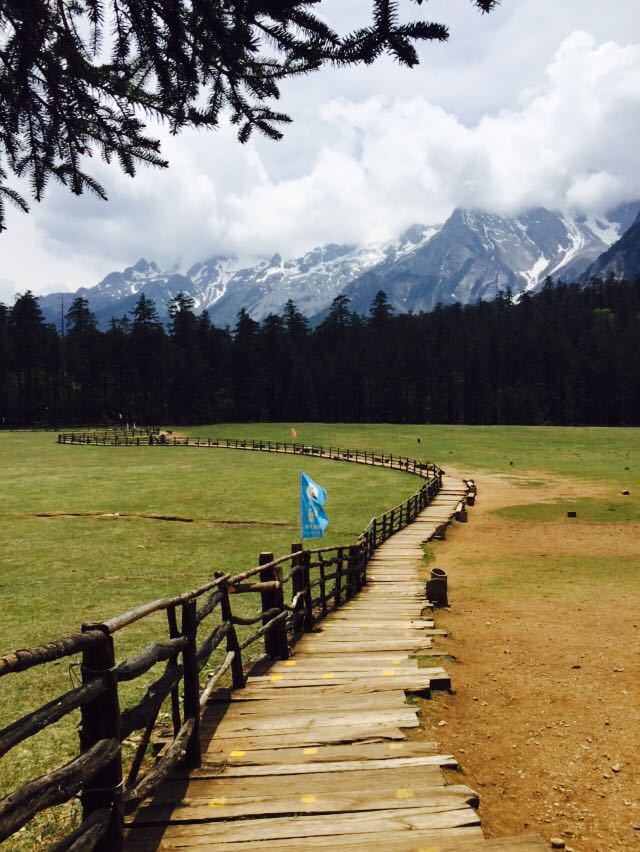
x=89, y=561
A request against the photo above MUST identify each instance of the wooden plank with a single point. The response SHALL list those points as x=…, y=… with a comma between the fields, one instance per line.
x=318, y=736
x=376, y=658
x=229, y=806
x=342, y=668
x=209, y=782
x=307, y=699
x=318, y=754
x=383, y=764
x=299, y=828
x=401, y=840
x=347, y=647
x=362, y=687
x=233, y=725
x=354, y=674
x=410, y=683
x=345, y=667
x=328, y=691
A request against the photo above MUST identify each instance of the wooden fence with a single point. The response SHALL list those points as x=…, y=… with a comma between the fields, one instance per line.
x=197, y=623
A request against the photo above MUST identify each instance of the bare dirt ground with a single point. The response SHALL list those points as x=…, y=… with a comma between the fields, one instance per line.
x=545, y=719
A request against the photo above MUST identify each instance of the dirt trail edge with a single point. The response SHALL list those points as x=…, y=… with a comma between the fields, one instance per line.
x=545, y=634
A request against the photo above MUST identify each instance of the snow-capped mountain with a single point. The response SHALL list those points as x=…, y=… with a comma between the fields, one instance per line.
x=474, y=255
x=118, y=292
x=223, y=286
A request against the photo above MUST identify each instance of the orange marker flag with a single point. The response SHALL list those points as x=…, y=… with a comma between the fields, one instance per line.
x=294, y=434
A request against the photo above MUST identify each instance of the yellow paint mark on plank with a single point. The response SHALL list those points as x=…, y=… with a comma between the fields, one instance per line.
x=308, y=799
x=217, y=803
x=290, y=663
x=237, y=753
x=310, y=750
x=405, y=793
x=388, y=673
x=395, y=746
x=328, y=675
x=277, y=677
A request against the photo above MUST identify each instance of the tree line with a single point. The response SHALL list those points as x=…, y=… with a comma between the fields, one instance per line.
x=567, y=355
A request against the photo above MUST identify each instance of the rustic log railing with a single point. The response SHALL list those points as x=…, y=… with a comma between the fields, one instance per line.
x=295, y=591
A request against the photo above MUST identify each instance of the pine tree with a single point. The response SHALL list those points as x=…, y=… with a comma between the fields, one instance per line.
x=81, y=344
x=149, y=360
x=34, y=358
x=145, y=314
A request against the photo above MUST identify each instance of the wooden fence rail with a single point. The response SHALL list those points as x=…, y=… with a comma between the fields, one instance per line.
x=200, y=622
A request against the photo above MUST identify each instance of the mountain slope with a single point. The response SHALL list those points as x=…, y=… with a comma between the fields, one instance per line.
x=622, y=260
x=476, y=255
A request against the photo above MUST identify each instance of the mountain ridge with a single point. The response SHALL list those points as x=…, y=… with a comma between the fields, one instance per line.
x=472, y=255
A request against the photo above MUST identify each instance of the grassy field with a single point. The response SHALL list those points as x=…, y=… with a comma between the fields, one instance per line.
x=599, y=454
x=95, y=556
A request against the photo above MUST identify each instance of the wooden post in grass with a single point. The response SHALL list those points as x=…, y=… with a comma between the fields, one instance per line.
x=101, y=721
x=191, y=683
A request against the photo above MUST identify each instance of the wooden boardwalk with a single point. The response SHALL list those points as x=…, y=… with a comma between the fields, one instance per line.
x=313, y=753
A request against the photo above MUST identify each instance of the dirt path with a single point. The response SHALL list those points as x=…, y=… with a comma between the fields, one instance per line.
x=546, y=716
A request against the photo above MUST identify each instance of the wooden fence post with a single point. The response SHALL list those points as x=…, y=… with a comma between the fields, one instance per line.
x=101, y=721
x=237, y=669
x=300, y=583
x=275, y=639
x=352, y=571
x=191, y=683
x=308, y=595
x=323, y=584
x=337, y=594
x=174, y=633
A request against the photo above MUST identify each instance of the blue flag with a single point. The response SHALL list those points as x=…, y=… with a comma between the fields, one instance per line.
x=313, y=519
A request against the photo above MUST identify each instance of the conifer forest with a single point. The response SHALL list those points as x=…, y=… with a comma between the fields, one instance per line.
x=567, y=355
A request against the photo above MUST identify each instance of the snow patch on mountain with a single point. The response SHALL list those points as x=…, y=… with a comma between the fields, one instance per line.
x=532, y=275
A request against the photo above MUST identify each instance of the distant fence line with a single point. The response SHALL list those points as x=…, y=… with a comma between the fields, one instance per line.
x=80, y=429
x=315, y=579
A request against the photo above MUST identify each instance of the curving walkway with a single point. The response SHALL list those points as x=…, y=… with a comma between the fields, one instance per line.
x=315, y=753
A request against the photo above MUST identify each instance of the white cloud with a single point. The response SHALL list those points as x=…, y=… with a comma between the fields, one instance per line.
x=364, y=162
x=573, y=143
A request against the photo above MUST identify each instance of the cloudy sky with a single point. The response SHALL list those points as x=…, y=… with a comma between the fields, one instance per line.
x=537, y=103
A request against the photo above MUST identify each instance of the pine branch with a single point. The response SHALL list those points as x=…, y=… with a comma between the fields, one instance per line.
x=184, y=62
